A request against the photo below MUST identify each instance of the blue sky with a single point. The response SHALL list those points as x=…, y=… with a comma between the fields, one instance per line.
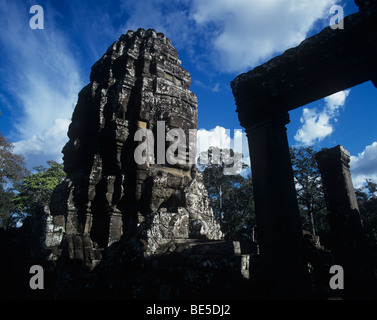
x=42, y=71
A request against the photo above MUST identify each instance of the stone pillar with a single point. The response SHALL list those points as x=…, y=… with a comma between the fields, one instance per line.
x=72, y=222
x=280, y=234
x=88, y=222
x=115, y=226
x=348, y=241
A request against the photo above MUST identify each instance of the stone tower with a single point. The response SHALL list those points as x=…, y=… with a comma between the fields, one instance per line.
x=137, y=84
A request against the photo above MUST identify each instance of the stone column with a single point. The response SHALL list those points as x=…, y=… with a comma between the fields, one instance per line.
x=88, y=222
x=348, y=241
x=72, y=225
x=115, y=226
x=280, y=234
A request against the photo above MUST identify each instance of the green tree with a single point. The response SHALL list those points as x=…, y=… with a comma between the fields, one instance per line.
x=367, y=200
x=36, y=189
x=309, y=190
x=12, y=172
x=230, y=195
x=239, y=210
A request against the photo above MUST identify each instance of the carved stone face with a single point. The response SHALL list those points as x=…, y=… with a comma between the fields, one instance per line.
x=137, y=83
x=190, y=200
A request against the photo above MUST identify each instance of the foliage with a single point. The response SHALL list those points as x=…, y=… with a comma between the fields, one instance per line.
x=367, y=200
x=230, y=195
x=36, y=189
x=21, y=192
x=12, y=166
x=309, y=190
x=239, y=211
x=8, y=217
x=12, y=172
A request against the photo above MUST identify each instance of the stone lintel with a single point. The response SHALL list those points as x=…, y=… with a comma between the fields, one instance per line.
x=331, y=61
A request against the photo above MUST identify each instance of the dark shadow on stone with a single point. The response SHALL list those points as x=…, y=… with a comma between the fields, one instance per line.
x=194, y=270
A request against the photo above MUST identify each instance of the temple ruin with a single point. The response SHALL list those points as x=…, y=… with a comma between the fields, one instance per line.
x=119, y=228
x=138, y=82
x=331, y=61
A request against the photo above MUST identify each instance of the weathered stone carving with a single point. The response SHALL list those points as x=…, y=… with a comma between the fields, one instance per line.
x=106, y=194
x=120, y=228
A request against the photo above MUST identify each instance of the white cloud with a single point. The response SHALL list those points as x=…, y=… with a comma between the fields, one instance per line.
x=234, y=35
x=336, y=100
x=364, y=165
x=42, y=77
x=317, y=125
x=217, y=137
x=46, y=144
x=221, y=138
x=245, y=32
x=166, y=16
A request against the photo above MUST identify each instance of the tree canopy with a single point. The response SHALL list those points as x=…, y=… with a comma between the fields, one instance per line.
x=21, y=192
x=36, y=189
x=309, y=190
x=230, y=195
x=12, y=172
x=367, y=200
x=12, y=166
